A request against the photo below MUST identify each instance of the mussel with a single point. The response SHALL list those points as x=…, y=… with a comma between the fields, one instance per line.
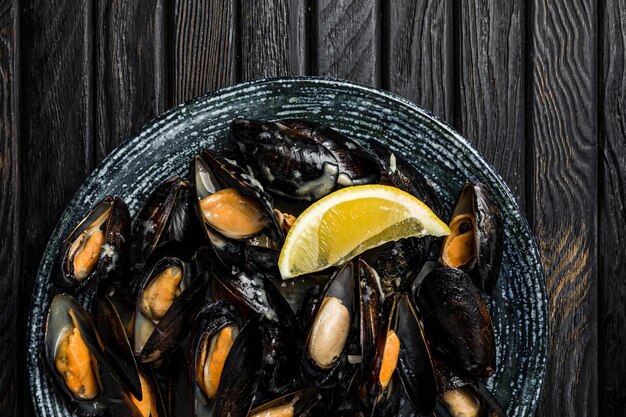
x=72, y=356
x=96, y=248
x=171, y=294
x=234, y=209
x=458, y=320
x=462, y=397
x=167, y=216
x=329, y=329
x=300, y=159
x=475, y=245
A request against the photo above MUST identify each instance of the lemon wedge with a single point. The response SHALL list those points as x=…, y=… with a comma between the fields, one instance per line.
x=350, y=221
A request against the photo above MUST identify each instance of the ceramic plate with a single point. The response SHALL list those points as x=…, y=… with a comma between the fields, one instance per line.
x=166, y=146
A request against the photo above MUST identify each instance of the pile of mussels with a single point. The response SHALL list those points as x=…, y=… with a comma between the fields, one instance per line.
x=187, y=315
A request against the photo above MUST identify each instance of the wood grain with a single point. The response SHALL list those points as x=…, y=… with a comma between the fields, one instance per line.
x=346, y=40
x=417, y=50
x=491, y=91
x=56, y=122
x=273, y=38
x=563, y=195
x=612, y=211
x=11, y=337
x=204, y=47
x=130, y=79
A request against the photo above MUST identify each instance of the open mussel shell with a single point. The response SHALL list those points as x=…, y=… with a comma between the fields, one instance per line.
x=414, y=367
x=167, y=216
x=67, y=318
x=171, y=294
x=214, y=331
x=96, y=248
x=458, y=320
x=116, y=343
x=233, y=176
x=240, y=376
x=372, y=323
x=121, y=403
x=329, y=330
x=476, y=242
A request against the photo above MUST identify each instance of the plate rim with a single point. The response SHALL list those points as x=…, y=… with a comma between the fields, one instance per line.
x=136, y=135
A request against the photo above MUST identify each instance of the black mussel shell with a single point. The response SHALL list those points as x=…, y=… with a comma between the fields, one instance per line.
x=120, y=403
x=167, y=216
x=259, y=294
x=356, y=166
x=458, y=320
x=414, y=368
x=240, y=375
x=372, y=323
x=285, y=161
x=389, y=403
x=166, y=335
x=295, y=403
x=336, y=310
x=116, y=344
x=113, y=226
x=307, y=308
x=281, y=356
x=59, y=322
x=476, y=212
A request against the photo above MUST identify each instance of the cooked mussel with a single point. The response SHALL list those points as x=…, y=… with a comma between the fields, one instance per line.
x=458, y=320
x=171, y=294
x=461, y=397
x=330, y=328
x=301, y=160
x=96, y=248
x=72, y=354
x=167, y=216
x=213, y=335
x=475, y=245
x=231, y=201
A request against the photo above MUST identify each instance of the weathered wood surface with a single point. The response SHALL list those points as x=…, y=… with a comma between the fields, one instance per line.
x=563, y=196
x=490, y=104
x=526, y=82
x=612, y=210
x=11, y=377
x=130, y=76
x=417, y=52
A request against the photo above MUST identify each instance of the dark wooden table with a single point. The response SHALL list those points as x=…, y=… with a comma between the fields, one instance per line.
x=539, y=87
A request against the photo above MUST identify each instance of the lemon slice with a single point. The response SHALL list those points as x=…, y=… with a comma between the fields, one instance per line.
x=350, y=221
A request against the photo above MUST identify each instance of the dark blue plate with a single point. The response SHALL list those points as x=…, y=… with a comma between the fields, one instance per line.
x=166, y=146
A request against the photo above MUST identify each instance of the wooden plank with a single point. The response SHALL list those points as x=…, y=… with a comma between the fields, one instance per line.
x=11, y=334
x=346, y=40
x=612, y=210
x=491, y=100
x=563, y=196
x=417, y=47
x=130, y=61
x=204, y=51
x=273, y=38
x=56, y=124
